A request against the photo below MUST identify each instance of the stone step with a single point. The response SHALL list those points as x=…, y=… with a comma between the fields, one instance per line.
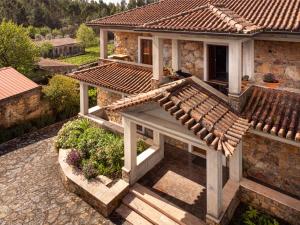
x=165, y=207
x=145, y=210
x=131, y=216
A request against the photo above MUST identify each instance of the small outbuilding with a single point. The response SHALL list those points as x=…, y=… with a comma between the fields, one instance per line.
x=20, y=98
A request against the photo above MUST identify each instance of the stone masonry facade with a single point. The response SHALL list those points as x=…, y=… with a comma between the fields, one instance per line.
x=272, y=162
x=280, y=58
x=105, y=98
x=23, y=107
x=191, y=52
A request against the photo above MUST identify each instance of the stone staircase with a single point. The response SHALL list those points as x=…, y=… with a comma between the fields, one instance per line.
x=141, y=206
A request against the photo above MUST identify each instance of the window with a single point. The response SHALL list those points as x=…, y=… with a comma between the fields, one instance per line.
x=145, y=50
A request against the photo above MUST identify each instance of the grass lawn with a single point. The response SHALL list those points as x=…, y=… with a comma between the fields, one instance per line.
x=91, y=55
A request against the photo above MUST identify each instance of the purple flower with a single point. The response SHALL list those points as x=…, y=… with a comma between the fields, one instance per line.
x=89, y=170
x=74, y=158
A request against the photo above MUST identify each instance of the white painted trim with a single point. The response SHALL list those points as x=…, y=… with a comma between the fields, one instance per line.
x=103, y=43
x=176, y=54
x=203, y=38
x=235, y=164
x=205, y=61
x=84, y=98
x=140, y=38
x=176, y=134
x=235, y=68
x=248, y=58
x=214, y=183
x=158, y=64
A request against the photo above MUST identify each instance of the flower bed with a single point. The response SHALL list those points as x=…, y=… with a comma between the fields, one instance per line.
x=95, y=151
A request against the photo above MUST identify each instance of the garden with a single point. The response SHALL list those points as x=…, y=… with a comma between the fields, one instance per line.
x=94, y=151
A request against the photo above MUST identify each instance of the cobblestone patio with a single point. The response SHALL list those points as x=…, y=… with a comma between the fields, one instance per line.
x=31, y=190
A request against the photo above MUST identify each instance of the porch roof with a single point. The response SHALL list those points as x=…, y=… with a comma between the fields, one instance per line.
x=199, y=110
x=274, y=111
x=186, y=15
x=122, y=77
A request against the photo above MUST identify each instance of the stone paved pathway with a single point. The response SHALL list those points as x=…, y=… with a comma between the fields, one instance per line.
x=30, y=188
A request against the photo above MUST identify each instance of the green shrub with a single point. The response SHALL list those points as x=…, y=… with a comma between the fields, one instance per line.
x=63, y=94
x=69, y=134
x=90, y=140
x=92, y=97
x=141, y=146
x=254, y=217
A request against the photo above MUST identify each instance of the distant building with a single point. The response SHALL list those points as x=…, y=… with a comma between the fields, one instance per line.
x=62, y=47
x=20, y=98
x=55, y=66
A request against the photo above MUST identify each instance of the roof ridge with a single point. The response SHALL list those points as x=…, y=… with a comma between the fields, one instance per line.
x=176, y=15
x=124, y=12
x=245, y=26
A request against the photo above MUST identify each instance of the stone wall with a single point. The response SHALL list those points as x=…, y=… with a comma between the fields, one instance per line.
x=191, y=51
x=192, y=57
x=272, y=162
x=23, y=107
x=270, y=201
x=105, y=98
x=280, y=58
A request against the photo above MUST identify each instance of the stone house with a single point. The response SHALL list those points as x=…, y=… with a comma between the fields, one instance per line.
x=198, y=80
x=62, y=47
x=20, y=98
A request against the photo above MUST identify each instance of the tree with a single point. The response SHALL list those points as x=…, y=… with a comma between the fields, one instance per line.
x=63, y=94
x=16, y=47
x=86, y=36
x=45, y=49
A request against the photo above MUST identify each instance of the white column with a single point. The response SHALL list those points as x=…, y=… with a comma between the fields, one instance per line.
x=84, y=99
x=214, y=183
x=175, y=55
x=103, y=44
x=235, y=67
x=248, y=58
x=205, y=62
x=158, y=64
x=159, y=141
x=235, y=164
x=130, y=148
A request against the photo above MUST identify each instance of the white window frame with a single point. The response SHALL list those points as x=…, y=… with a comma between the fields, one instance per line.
x=140, y=46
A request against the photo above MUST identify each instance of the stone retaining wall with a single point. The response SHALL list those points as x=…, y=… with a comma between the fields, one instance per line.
x=280, y=58
x=22, y=107
x=272, y=162
x=270, y=201
x=101, y=193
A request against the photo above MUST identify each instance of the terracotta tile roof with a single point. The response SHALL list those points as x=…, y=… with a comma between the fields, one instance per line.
x=123, y=77
x=275, y=112
x=148, y=13
x=13, y=83
x=231, y=16
x=200, y=111
x=207, y=18
x=56, y=42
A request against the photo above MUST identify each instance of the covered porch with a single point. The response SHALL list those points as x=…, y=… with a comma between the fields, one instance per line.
x=208, y=183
